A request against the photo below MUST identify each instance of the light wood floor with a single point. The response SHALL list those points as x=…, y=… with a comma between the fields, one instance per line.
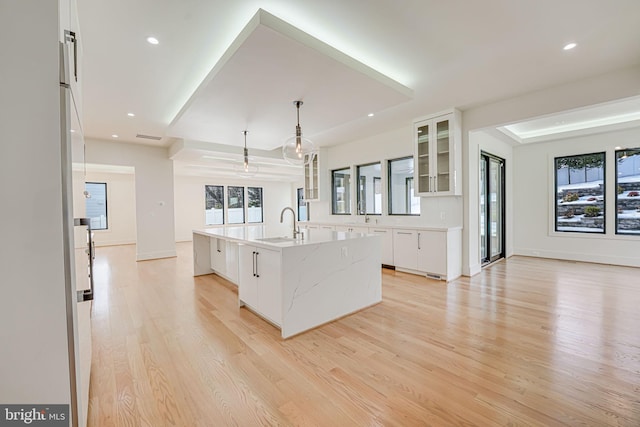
x=526, y=342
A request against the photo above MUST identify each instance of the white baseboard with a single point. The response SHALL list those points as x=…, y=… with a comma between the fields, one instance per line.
x=472, y=270
x=625, y=261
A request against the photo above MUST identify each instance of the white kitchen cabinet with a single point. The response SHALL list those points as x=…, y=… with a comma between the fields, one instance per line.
x=387, y=243
x=438, y=155
x=314, y=178
x=259, y=281
x=435, y=253
x=405, y=249
x=218, y=256
x=231, y=255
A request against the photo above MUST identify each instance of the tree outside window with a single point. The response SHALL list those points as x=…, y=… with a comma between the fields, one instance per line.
x=254, y=204
x=214, y=204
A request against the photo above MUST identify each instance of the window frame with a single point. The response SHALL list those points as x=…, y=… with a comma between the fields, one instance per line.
x=299, y=198
x=261, y=205
x=205, y=204
x=635, y=151
x=555, y=198
x=390, y=189
x=244, y=219
x=360, y=211
x=347, y=188
x=106, y=204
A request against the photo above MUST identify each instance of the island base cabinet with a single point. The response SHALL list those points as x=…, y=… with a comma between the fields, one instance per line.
x=259, y=282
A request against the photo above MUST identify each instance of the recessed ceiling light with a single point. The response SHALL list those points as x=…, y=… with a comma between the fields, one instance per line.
x=152, y=40
x=370, y=115
x=569, y=46
x=617, y=148
x=131, y=115
x=114, y=136
x=73, y=131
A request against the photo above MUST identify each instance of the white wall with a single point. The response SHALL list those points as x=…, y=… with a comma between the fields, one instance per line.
x=434, y=211
x=190, y=203
x=121, y=208
x=155, y=224
x=582, y=93
x=34, y=362
x=534, y=203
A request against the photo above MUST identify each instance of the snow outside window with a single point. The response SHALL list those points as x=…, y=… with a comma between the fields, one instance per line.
x=580, y=193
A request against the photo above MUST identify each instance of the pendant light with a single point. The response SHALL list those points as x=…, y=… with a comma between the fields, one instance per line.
x=247, y=169
x=297, y=149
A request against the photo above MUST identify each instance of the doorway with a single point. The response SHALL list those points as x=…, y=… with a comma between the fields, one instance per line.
x=492, y=208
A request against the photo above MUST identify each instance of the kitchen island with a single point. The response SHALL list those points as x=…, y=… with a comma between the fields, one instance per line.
x=295, y=284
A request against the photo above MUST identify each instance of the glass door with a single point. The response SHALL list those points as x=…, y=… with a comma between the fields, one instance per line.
x=492, y=208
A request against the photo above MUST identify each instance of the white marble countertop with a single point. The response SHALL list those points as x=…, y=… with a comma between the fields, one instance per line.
x=254, y=234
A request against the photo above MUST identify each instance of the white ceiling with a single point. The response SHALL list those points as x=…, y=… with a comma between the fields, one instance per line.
x=434, y=54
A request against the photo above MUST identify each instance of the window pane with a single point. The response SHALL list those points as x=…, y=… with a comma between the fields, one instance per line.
x=214, y=204
x=402, y=199
x=340, y=191
x=96, y=205
x=254, y=204
x=235, y=197
x=369, y=202
x=628, y=191
x=579, y=194
x=302, y=206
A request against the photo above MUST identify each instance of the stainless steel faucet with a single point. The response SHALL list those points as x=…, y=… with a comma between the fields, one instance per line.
x=296, y=231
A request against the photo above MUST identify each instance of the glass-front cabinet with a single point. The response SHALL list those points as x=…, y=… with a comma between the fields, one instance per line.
x=438, y=155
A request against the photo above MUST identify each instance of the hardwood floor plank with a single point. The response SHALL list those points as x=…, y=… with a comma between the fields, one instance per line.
x=528, y=341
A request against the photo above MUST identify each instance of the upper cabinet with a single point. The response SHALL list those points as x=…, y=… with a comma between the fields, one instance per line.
x=313, y=177
x=438, y=156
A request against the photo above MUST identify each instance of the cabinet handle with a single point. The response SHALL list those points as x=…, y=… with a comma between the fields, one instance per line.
x=418, y=240
x=379, y=231
x=403, y=232
x=257, y=274
x=254, y=263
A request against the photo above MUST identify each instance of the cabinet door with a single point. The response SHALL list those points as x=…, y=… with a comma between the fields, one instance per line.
x=269, y=284
x=432, y=252
x=311, y=181
x=441, y=144
x=422, y=159
x=387, y=244
x=405, y=249
x=218, y=258
x=231, y=255
x=437, y=155
x=247, y=280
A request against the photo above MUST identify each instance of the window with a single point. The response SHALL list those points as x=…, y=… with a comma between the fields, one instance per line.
x=369, y=200
x=214, y=204
x=235, y=197
x=340, y=192
x=402, y=199
x=302, y=206
x=254, y=204
x=628, y=191
x=96, y=204
x=579, y=193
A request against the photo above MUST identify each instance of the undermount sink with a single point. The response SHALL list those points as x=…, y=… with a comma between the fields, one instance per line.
x=277, y=239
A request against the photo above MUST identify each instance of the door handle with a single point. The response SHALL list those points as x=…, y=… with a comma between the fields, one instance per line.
x=418, y=240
